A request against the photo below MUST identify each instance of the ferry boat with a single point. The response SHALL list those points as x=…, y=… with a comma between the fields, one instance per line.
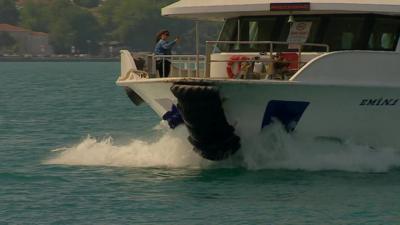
x=322, y=68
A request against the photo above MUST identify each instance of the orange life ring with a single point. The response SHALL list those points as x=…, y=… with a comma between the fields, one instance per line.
x=235, y=60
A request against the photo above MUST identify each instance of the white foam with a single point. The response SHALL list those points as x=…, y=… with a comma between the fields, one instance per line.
x=171, y=150
x=276, y=149
x=271, y=149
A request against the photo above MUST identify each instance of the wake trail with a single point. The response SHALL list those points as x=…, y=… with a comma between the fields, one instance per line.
x=273, y=148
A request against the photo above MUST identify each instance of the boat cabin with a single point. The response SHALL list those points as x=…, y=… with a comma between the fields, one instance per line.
x=270, y=39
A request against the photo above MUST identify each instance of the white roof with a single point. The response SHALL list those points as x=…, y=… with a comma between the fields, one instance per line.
x=220, y=9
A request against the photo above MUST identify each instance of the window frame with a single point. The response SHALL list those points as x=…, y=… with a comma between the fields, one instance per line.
x=362, y=44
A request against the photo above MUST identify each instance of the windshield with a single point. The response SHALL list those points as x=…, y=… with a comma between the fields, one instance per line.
x=340, y=32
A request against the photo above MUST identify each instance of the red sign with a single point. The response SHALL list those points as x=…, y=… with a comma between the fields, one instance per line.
x=299, y=6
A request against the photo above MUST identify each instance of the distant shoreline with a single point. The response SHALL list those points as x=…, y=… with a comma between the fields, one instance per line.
x=56, y=59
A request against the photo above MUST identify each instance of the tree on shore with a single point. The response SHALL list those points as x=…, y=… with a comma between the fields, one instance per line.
x=6, y=40
x=132, y=23
x=36, y=15
x=68, y=25
x=135, y=23
x=8, y=12
x=87, y=3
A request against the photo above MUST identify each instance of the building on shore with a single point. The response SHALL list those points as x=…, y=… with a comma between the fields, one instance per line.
x=27, y=42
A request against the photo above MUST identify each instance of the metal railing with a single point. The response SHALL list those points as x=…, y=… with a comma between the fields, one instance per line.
x=199, y=65
x=211, y=47
x=179, y=65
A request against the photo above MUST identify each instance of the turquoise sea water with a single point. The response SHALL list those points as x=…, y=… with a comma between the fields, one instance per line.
x=74, y=150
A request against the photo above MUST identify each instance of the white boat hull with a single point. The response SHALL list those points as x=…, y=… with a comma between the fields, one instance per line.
x=344, y=95
x=366, y=114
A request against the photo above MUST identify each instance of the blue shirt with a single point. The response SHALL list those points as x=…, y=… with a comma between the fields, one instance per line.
x=164, y=47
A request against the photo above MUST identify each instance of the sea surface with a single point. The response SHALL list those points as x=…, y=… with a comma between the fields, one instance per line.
x=74, y=150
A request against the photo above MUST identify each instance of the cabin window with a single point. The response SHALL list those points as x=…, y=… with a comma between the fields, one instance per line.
x=347, y=40
x=229, y=31
x=384, y=34
x=253, y=31
x=398, y=44
x=344, y=32
x=339, y=31
x=256, y=29
x=315, y=31
x=315, y=28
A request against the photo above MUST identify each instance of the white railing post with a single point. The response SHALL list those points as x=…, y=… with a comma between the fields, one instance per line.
x=154, y=65
x=208, y=60
x=163, y=67
x=197, y=49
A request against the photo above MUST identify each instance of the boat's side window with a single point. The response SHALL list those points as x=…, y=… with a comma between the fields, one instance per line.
x=384, y=35
x=340, y=32
x=398, y=43
x=257, y=29
x=315, y=28
x=315, y=32
x=347, y=40
x=344, y=32
x=228, y=33
x=253, y=32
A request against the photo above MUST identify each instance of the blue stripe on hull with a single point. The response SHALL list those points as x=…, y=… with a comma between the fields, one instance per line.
x=288, y=113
